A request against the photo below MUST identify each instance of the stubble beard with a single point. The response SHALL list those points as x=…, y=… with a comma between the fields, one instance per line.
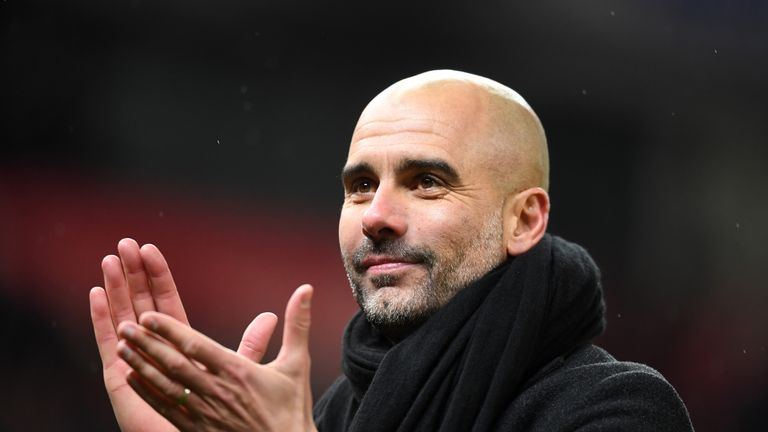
x=408, y=306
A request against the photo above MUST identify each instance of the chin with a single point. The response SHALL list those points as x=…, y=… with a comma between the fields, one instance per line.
x=394, y=306
x=391, y=297
x=393, y=302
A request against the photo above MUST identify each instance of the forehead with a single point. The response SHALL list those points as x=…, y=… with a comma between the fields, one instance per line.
x=399, y=146
x=407, y=135
x=415, y=127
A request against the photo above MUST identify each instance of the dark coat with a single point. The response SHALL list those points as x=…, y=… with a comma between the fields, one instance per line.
x=587, y=391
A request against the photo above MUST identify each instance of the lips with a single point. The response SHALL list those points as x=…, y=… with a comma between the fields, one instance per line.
x=389, y=255
x=378, y=263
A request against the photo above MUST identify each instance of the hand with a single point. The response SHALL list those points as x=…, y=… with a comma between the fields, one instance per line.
x=229, y=392
x=137, y=281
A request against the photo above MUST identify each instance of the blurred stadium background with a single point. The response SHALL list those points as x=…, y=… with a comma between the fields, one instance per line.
x=217, y=130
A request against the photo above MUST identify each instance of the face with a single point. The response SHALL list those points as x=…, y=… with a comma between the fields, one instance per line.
x=422, y=217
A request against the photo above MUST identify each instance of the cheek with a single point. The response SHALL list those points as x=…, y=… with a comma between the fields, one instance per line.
x=441, y=225
x=350, y=229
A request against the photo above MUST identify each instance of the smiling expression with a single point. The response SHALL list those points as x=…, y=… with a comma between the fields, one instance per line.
x=422, y=212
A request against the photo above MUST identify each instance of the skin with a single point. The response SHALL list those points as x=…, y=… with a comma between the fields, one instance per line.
x=444, y=179
x=135, y=281
x=145, y=388
x=446, y=176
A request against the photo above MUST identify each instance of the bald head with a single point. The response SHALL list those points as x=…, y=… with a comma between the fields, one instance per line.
x=444, y=180
x=498, y=126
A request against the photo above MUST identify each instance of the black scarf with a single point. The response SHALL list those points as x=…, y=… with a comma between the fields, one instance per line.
x=462, y=368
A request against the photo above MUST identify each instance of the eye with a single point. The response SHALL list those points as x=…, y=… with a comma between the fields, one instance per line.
x=427, y=181
x=362, y=186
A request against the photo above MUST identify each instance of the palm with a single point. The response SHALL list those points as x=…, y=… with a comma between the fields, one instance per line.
x=229, y=391
x=136, y=282
x=133, y=414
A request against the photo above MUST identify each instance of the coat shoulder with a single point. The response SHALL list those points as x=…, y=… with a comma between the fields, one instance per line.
x=591, y=390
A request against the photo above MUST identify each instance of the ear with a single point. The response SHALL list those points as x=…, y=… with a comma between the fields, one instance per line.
x=525, y=220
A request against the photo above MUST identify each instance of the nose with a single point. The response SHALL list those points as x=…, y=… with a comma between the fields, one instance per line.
x=385, y=216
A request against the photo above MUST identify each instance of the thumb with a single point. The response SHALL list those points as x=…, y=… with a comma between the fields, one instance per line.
x=294, y=354
x=256, y=336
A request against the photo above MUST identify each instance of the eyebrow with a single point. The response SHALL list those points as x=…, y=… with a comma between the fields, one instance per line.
x=436, y=165
x=352, y=171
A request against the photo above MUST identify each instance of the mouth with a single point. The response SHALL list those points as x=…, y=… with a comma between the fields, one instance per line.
x=377, y=264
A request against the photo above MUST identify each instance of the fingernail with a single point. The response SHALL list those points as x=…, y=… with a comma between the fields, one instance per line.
x=125, y=351
x=151, y=323
x=128, y=330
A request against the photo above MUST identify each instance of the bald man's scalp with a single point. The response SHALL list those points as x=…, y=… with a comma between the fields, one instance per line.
x=519, y=145
x=506, y=132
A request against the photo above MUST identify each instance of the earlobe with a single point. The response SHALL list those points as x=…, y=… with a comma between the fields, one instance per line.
x=525, y=220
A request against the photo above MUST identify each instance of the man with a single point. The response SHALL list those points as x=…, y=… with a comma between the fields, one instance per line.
x=472, y=317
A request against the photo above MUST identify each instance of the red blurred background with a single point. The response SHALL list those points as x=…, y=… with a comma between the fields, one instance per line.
x=217, y=132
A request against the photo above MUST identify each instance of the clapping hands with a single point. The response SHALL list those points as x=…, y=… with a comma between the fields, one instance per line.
x=160, y=373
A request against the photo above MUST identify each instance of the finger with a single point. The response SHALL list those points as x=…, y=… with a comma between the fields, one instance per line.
x=165, y=407
x=190, y=342
x=256, y=337
x=148, y=371
x=117, y=290
x=295, y=350
x=158, y=352
x=103, y=329
x=164, y=291
x=135, y=276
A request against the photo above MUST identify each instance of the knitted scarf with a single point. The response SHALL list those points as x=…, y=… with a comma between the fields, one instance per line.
x=462, y=368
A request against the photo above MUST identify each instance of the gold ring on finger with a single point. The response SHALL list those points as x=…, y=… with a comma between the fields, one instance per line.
x=184, y=398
